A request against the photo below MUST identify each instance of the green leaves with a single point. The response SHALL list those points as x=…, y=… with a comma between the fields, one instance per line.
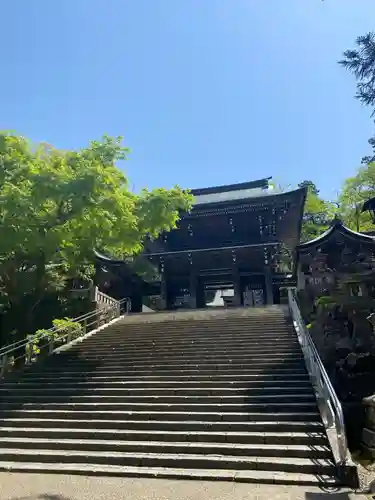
x=56, y=207
x=355, y=192
x=361, y=63
x=317, y=215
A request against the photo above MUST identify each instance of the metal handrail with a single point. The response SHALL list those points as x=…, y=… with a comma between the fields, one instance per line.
x=330, y=407
x=58, y=336
x=36, y=336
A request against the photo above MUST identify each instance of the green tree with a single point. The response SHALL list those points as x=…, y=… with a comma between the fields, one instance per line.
x=318, y=213
x=361, y=63
x=56, y=207
x=355, y=192
x=311, y=187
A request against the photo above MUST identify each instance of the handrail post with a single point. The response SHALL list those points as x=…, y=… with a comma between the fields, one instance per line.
x=4, y=363
x=29, y=352
x=51, y=343
x=69, y=337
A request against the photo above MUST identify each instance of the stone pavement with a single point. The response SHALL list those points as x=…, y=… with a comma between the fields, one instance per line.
x=14, y=486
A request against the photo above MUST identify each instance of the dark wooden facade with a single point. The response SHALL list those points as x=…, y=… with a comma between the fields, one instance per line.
x=339, y=258
x=232, y=238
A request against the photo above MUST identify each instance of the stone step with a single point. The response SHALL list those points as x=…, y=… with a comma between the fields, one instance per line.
x=221, y=342
x=302, y=438
x=249, y=476
x=186, y=351
x=173, y=366
x=177, y=361
x=210, y=324
x=218, y=399
x=206, y=326
x=201, y=326
x=188, y=460
x=191, y=347
x=236, y=379
x=183, y=375
x=152, y=392
x=265, y=406
x=61, y=384
x=160, y=425
x=163, y=415
x=218, y=349
x=234, y=449
x=189, y=352
x=184, y=337
x=173, y=374
x=211, y=394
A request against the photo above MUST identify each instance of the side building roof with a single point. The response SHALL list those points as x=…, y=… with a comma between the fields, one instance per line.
x=337, y=228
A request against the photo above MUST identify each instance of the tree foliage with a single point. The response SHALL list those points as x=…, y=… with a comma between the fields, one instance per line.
x=355, y=192
x=311, y=187
x=361, y=63
x=318, y=213
x=57, y=206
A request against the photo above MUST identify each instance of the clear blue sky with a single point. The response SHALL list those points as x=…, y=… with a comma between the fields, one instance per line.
x=205, y=92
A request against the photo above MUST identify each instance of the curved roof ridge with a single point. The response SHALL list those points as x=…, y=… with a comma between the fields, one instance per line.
x=261, y=196
x=258, y=183
x=336, y=225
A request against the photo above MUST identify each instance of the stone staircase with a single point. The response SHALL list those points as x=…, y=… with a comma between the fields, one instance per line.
x=199, y=394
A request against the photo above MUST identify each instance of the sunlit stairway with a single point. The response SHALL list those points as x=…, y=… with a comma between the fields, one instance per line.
x=209, y=395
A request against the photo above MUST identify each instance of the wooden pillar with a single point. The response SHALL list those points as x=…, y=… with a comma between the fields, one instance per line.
x=164, y=292
x=268, y=285
x=193, y=290
x=201, y=298
x=301, y=280
x=136, y=300
x=238, y=296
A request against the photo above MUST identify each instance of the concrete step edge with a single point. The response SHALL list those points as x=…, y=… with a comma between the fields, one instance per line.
x=188, y=398
x=261, y=363
x=182, y=352
x=223, y=415
x=289, y=375
x=151, y=386
x=246, y=434
x=97, y=404
x=267, y=448
x=187, y=337
x=254, y=477
x=189, y=456
x=204, y=423
x=162, y=390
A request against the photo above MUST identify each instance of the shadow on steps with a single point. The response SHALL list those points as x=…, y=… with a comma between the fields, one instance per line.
x=44, y=496
x=325, y=495
x=36, y=383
